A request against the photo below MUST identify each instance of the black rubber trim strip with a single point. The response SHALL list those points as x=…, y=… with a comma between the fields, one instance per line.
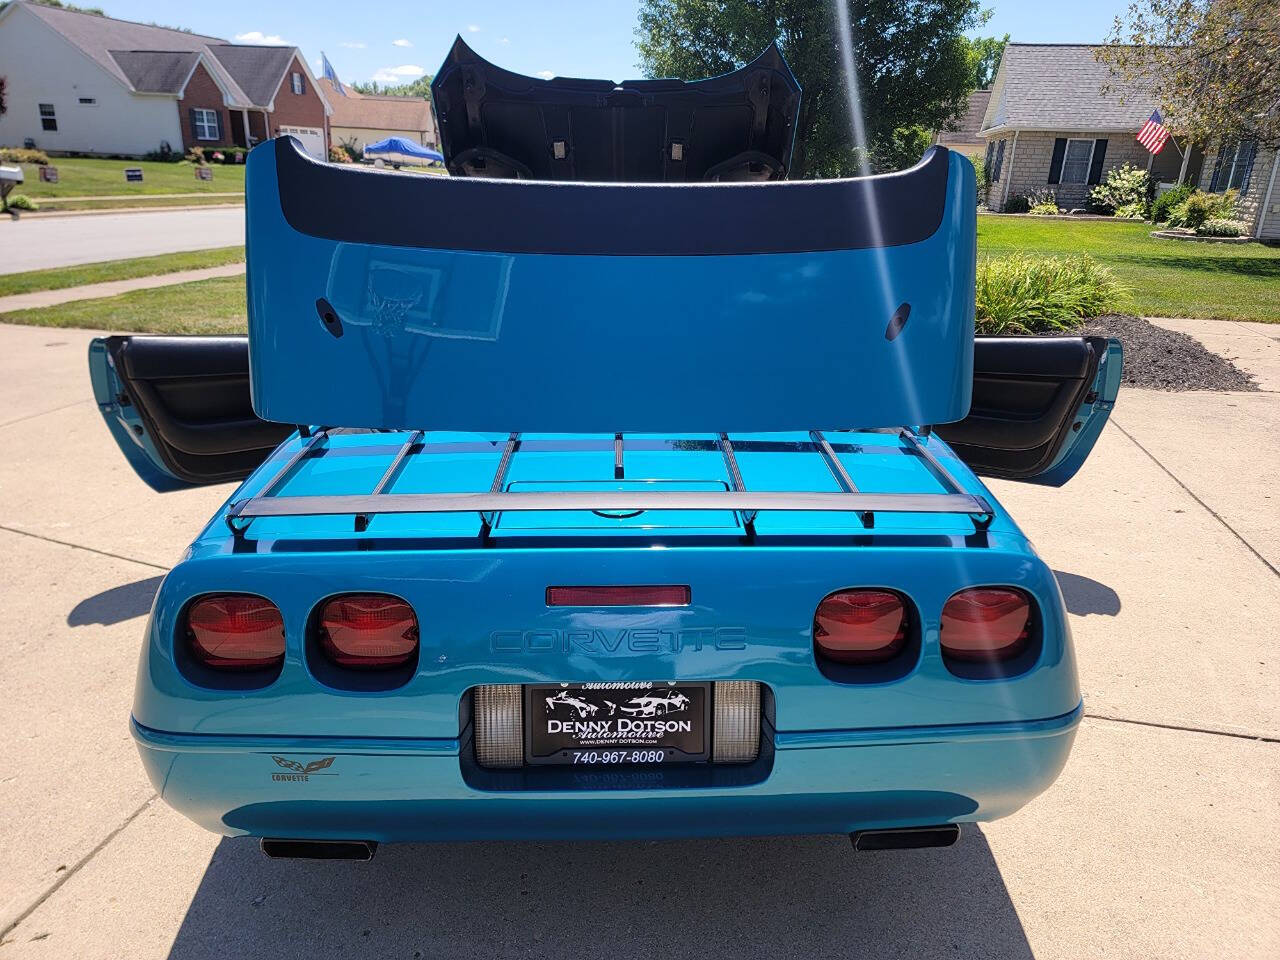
x=509, y=216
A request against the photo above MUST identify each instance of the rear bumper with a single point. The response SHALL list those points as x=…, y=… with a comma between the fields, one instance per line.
x=416, y=790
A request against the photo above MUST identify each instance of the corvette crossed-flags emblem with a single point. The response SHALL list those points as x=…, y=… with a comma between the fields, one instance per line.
x=311, y=767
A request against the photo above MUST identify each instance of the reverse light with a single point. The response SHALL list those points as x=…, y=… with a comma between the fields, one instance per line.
x=861, y=626
x=986, y=624
x=368, y=631
x=236, y=631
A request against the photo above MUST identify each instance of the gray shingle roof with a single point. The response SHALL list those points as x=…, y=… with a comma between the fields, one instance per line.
x=148, y=58
x=967, y=126
x=156, y=71
x=1058, y=86
x=257, y=70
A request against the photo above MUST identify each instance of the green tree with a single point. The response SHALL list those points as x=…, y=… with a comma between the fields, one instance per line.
x=913, y=61
x=1213, y=65
x=985, y=54
x=418, y=88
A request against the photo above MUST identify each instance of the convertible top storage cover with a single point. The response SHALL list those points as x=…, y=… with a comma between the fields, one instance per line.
x=444, y=303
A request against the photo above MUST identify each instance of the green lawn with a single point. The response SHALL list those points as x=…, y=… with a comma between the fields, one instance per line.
x=1166, y=278
x=92, y=177
x=59, y=278
x=206, y=306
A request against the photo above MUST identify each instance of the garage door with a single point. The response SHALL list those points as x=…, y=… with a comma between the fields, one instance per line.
x=312, y=139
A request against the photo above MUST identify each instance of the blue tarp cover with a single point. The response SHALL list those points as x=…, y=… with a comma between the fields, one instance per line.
x=402, y=146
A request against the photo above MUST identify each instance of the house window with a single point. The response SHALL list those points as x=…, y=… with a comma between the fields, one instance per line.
x=48, y=117
x=295, y=83
x=1076, y=161
x=1234, y=165
x=205, y=123
x=995, y=176
x=88, y=101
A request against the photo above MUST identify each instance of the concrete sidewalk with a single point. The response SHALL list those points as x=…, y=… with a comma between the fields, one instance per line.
x=109, y=288
x=1158, y=840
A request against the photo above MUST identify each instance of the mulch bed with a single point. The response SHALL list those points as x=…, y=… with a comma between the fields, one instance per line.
x=1161, y=359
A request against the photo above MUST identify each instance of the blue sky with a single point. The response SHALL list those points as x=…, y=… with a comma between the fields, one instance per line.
x=396, y=40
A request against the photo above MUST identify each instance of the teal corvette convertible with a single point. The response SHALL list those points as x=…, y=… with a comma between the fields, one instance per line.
x=612, y=486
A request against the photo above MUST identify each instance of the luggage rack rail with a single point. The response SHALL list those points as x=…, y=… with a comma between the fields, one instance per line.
x=746, y=503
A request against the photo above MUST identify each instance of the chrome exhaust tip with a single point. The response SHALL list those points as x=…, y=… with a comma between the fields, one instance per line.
x=906, y=838
x=281, y=849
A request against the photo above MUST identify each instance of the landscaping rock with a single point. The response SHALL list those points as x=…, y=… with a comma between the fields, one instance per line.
x=1160, y=359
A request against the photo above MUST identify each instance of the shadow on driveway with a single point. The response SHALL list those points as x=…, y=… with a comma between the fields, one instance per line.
x=115, y=605
x=1084, y=596
x=761, y=897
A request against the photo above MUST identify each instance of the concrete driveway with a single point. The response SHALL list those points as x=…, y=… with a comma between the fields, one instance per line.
x=1158, y=841
x=34, y=243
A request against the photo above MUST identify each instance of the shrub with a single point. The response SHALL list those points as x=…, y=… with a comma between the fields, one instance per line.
x=1125, y=187
x=1134, y=210
x=1164, y=204
x=1220, y=227
x=1025, y=294
x=338, y=154
x=1017, y=204
x=1200, y=206
x=980, y=174
x=22, y=155
x=354, y=150
x=20, y=201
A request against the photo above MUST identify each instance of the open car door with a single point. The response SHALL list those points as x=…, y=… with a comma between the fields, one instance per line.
x=1039, y=405
x=179, y=408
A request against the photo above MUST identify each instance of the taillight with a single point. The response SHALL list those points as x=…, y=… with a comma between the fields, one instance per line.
x=368, y=631
x=986, y=623
x=861, y=626
x=236, y=631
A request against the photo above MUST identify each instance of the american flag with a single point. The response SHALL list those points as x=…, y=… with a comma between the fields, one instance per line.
x=1154, y=134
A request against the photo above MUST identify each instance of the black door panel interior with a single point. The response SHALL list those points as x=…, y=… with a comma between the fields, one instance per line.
x=1026, y=392
x=193, y=396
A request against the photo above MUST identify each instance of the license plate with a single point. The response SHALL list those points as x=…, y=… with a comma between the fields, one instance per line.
x=617, y=724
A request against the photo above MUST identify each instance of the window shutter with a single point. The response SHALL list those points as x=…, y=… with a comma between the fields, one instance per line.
x=1251, y=149
x=218, y=115
x=302, y=83
x=1099, y=155
x=986, y=164
x=1055, y=164
x=195, y=133
x=999, y=160
x=1217, y=168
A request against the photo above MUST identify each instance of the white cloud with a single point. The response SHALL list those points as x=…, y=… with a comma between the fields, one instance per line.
x=545, y=74
x=352, y=45
x=401, y=43
x=408, y=71
x=258, y=37
x=472, y=28
x=504, y=39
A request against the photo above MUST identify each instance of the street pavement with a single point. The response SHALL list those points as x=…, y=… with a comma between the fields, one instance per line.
x=1158, y=841
x=35, y=243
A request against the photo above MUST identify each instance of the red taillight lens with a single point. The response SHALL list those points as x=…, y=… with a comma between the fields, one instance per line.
x=368, y=631
x=861, y=626
x=236, y=631
x=986, y=623
x=664, y=595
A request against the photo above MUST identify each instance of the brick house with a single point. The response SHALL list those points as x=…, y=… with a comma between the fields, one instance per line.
x=1049, y=126
x=90, y=84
